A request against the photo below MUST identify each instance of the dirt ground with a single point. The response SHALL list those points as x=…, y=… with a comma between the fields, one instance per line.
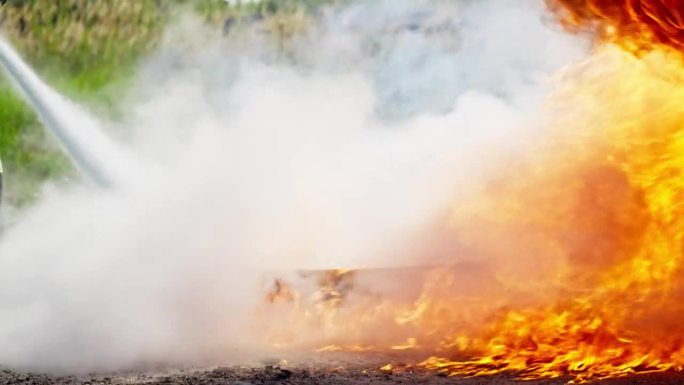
x=303, y=374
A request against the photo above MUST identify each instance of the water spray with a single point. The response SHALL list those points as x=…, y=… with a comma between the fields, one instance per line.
x=79, y=135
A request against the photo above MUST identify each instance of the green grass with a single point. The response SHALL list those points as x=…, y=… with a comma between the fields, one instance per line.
x=82, y=47
x=86, y=49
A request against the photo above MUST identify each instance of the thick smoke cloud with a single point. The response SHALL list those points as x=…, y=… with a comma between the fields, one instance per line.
x=346, y=150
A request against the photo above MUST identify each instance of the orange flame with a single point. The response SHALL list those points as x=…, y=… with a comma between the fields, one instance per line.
x=633, y=23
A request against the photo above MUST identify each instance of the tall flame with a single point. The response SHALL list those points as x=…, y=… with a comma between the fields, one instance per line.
x=611, y=208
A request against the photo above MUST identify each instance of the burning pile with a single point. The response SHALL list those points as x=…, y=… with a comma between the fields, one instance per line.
x=600, y=213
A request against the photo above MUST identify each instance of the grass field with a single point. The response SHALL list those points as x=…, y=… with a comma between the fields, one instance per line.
x=88, y=49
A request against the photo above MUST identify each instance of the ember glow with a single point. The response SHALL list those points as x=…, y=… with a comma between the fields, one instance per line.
x=599, y=213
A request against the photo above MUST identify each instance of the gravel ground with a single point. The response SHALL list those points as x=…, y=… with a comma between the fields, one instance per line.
x=319, y=374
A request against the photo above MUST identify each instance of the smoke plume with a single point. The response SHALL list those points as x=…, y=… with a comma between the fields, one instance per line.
x=345, y=147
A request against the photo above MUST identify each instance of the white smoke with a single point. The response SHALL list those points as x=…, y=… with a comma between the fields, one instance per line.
x=346, y=151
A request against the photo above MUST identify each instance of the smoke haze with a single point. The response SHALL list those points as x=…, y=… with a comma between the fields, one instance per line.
x=346, y=149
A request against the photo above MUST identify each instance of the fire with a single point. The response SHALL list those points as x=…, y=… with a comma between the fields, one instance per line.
x=635, y=24
x=586, y=238
x=608, y=205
